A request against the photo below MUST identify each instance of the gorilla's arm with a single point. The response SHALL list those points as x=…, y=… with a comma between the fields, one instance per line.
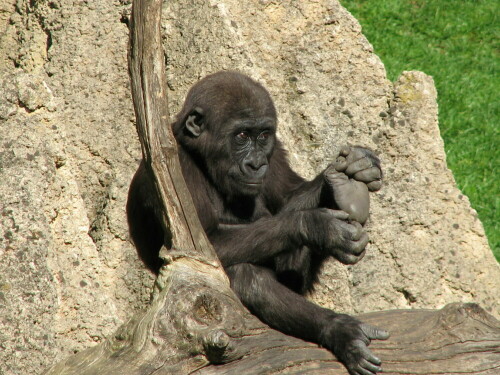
x=358, y=163
x=310, y=194
x=323, y=230
x=256, y=242
x=285, y=190
x=281, y=308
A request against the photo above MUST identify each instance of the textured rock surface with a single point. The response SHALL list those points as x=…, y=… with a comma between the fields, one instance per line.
x=68, y=149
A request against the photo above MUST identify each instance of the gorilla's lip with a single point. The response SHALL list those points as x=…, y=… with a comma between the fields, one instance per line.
x=253, y=183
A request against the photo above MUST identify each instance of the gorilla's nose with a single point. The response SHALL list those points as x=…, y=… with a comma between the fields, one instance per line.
x=255, y=167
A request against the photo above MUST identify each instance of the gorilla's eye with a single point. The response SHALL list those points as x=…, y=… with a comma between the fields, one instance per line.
x=263, y=136
x=242, y=135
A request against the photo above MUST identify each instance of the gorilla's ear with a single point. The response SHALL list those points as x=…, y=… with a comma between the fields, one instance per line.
x=195, y=122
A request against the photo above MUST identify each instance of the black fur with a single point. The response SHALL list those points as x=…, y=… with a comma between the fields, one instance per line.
x=270, y=228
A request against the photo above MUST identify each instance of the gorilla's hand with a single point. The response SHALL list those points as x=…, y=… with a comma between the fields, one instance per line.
x=330, y=232
x=349, y=194
x=361, y=164
x=348, y=339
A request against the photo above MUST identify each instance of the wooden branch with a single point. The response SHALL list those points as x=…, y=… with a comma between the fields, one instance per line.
x=459, y=339
x=159, y=149
x=195, y=323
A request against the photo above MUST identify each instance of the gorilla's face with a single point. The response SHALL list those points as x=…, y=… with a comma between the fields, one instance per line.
x=251, y=142
x=229, y=123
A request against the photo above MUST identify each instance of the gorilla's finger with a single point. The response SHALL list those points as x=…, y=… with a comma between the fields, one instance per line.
x=358, y=247
x=369, y=366
x=368, y=175
x=364, y=371
x=348, y=259
x=368, y=355
x=374, y=185
x=345, y=150
x=356, y=230
x=358, y=165
x=339, y=214
x=340, y=164
x=333, y=174
x=358, y=151
x=374, y=333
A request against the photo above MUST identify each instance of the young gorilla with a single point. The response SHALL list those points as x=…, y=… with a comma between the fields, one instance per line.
x=270, y=228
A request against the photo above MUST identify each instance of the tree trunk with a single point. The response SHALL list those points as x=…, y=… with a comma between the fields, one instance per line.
x=196, y=324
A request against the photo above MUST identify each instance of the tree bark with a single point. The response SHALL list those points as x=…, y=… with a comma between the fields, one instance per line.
x=159, y=148
x=195, y=323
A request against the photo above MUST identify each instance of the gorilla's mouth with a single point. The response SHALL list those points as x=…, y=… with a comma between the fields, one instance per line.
x=246, y=180
x=252, y=182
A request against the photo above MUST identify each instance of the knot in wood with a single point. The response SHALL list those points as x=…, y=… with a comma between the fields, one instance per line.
x=215, y=344
x=454, y=314
x=207, y=309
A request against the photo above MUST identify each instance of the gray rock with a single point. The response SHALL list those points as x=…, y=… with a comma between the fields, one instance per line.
x=68, y=149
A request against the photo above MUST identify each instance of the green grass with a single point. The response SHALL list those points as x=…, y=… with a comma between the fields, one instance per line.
x=457, y=42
